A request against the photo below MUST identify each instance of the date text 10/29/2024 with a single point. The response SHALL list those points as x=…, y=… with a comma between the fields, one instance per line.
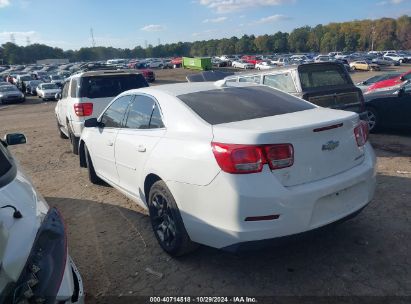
x=203, y=300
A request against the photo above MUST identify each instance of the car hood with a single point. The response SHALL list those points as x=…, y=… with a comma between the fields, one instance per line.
x=52, y=91
x=17, y=235
x=385, y=83
x=10, y=93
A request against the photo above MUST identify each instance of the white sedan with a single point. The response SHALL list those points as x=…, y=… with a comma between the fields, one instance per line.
x=242, y=64
x=265, y=65
x=35, y=265
x=225, y=163
x=47, y=91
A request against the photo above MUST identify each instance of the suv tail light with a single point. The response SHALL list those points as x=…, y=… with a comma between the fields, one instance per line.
x=243, y=159
x=83, y=109
x=361, y=133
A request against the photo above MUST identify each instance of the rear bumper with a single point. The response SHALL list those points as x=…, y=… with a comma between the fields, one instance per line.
x=77, y=127
x=215, y=214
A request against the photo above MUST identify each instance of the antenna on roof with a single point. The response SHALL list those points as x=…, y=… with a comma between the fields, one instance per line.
x=93, y=42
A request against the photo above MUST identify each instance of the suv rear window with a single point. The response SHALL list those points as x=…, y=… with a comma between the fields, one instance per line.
x=323, y=75
x=244, y=103
x=109, y=85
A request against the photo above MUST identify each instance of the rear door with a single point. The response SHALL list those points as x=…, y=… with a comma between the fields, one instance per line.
x=142, y=130
x=101, y=141
x=62, y=104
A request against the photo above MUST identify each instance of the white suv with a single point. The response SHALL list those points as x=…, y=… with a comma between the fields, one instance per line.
x=85, y=95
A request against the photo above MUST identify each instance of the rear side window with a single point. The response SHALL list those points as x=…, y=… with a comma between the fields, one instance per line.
x=143, y=114
x=110, y=85
x=254, y=79
x=237, y=104
x=64, y=93
x=114, y=115
x=73, y=88
x=282, y=82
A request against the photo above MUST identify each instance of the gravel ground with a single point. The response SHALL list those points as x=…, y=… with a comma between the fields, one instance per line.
x=111, y=240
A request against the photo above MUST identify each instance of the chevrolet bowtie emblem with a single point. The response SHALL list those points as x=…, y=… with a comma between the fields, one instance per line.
x=331, y=145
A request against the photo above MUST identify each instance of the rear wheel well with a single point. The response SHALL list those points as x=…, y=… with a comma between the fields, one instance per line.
x=82, y=155
x=148, y=183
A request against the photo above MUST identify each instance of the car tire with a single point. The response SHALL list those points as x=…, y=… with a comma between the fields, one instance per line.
x=373, y=119
x=74, y=141
x=92, y=176
x=166, y=221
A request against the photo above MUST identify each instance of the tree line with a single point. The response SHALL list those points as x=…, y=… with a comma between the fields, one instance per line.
x=358, y=35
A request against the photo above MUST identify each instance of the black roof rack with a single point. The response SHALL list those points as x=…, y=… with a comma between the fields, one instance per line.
x=87, y=67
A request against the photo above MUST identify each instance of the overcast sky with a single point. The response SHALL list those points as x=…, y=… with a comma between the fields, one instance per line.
x=127, y=23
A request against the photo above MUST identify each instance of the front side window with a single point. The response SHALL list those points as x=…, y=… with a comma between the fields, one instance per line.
x=144, y=114
x=113, y=116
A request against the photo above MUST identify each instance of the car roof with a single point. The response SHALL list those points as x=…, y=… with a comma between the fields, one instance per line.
x=105, y=72
x=177, y=89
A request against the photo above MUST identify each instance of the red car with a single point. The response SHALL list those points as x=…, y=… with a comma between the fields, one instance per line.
x=252, y=59
x=390, y=82
x=177, y=62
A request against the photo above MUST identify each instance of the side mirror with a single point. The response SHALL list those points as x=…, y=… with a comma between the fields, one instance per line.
x=15, y=139
x=92, y=123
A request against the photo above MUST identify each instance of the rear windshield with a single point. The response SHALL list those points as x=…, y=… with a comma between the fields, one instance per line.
x=109, y=86
x=323, y=75
x=237, y=104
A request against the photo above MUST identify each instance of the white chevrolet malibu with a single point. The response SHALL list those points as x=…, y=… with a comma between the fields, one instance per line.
x=34, y=263
x=222, y=165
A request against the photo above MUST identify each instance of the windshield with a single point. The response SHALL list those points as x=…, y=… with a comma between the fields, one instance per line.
x=8, y=89
x=49, y=86
x=110, y=86
x=56, y=78
x=324, y=75
x=25, y=78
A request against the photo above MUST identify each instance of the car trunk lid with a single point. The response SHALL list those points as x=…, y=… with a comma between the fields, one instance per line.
x=323, y=140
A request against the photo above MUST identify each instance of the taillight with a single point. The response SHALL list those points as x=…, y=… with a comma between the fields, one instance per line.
x=279, y=156
x=243, y=159
x=361, y=133
x=83, y=109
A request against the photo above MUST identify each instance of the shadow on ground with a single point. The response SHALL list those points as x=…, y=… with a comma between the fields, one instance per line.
x=368, y=255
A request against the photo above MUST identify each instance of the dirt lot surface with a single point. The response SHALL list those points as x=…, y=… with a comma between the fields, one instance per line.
x=111, y=241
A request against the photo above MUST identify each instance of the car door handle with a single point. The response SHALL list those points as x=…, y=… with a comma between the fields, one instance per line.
x=110, y=143
x=141, y=148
